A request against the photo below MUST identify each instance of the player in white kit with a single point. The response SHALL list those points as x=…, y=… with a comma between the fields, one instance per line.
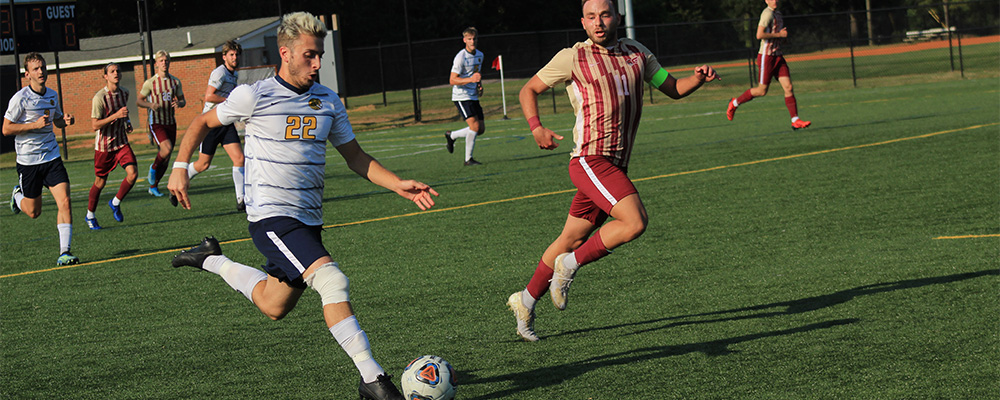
x=30, y=116
x=467, y=87
x=289, y=120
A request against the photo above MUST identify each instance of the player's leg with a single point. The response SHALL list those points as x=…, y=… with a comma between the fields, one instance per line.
x=64, y=221
x=92, y=199
x=27, y=195
x=785, y=79
x=165, y=136
x=475, y=128
x=231, y=143
x=765, y=66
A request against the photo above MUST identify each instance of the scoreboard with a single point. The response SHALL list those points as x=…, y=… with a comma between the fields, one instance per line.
x=41, y=26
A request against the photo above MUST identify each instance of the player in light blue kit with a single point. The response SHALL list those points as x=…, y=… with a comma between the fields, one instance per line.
x=289, y=120
x=467, y=87
x=30, y=116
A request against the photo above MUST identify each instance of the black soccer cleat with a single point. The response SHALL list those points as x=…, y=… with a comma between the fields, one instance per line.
x=449, y=142
x=195, y=256
x=381, y=389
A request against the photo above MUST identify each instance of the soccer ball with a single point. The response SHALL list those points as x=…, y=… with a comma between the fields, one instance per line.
x=428, y=378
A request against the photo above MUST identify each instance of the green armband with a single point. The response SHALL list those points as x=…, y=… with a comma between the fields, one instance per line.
x=659, y=78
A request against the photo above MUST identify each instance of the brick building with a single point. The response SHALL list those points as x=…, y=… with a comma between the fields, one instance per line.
x=194, y=53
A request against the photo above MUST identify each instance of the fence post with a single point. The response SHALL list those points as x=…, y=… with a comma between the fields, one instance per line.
x=381, y=75
x=947, y=29
x=961, y=61
x=850, y=43
x=750, y=55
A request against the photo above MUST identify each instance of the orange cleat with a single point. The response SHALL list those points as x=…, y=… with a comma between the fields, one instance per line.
x=799, y=124
x=731, y=111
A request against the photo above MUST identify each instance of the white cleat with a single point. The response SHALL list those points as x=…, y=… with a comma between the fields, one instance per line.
x=525, y=318
x=559, y=284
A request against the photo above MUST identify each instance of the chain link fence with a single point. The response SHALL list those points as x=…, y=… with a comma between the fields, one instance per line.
x=854, y=44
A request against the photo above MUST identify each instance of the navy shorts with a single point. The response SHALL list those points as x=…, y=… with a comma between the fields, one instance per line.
x=468, y=109
x=33, y=177
x=290, y=247
x=223, y=135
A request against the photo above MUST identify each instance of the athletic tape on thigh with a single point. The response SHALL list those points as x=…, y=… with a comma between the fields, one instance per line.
x=331, y=284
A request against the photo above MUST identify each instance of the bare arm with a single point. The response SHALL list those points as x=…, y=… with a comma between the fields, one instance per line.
x=145, y=104
x=194, y=135
x=369, y=168
x=11, y=128
x=761, y=34
x=211, y=97
x=529, y=106
x=679, y=88
x=97, y=124
x=455, y=80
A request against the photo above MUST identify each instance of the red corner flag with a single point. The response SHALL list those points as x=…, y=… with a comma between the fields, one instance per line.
x=496, y=63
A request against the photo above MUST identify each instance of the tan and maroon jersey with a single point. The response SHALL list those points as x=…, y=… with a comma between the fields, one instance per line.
x=772, y=21
x=112, y=136
x=160, y=90
x=605, y=86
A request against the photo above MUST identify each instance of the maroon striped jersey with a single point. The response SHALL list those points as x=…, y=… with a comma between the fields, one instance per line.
x=605, y=86
x=160, y=90
x=112, y=136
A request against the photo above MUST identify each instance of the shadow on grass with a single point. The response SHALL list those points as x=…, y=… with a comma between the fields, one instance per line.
x=554, y=375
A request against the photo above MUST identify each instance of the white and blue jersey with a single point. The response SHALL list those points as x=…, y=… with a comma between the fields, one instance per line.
x=224, y=81
x=286, y=135
x=466, y=64
x=37, y=146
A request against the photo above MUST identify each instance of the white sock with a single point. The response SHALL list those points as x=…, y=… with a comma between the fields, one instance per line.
x=17, y=199
x=354, y=341
x=527, y=300
x=192, y=171
x=735, y=103
x=116, y=201
x=470, y=143
x=795, y=118
x=461, y=133
x=238, y=182
x=570, y=261
x=241, y=278
x=65, y=234
x=91, y=215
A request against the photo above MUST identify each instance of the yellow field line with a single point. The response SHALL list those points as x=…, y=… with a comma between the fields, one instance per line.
x=968, y=236
x=557, y=192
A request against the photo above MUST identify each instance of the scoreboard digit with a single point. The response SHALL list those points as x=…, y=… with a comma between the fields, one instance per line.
x=41, y=26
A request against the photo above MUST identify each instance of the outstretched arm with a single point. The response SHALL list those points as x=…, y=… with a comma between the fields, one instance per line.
x=678, y=88
x=195, y=134
x=369, y=168
x=529, y=106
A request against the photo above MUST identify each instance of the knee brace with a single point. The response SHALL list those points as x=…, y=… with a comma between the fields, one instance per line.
x=331, y=284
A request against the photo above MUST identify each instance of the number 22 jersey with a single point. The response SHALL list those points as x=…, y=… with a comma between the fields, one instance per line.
x=286, y=134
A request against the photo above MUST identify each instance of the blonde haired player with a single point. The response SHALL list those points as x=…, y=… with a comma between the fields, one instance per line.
x=161, y=94
x=467, y=86
x=289, y=120
x=30, y=115
x=606, y=77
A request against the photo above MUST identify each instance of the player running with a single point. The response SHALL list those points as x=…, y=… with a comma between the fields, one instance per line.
x=109, y=117
x=289, y=120
x=606, y=77
x=30, y=115
x=162, y=95
x=772, y=32
x=465, y=92
x=221, y=82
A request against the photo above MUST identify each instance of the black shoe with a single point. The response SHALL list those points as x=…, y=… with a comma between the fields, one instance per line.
x=472, y=161
x=381, y=389
x=451, y=142
x=241, y=206
x=195, y=256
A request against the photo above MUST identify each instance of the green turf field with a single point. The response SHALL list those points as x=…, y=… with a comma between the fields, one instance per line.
x=777, y=265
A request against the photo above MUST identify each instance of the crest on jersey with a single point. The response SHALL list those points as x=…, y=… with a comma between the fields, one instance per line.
x=315, y=104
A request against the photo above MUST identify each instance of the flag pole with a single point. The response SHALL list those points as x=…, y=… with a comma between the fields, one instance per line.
x=503, y=93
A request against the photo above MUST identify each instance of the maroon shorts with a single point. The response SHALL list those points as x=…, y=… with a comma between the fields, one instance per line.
x=771, y=67
x=105, y=162
x=599, y=186
x=161, y=133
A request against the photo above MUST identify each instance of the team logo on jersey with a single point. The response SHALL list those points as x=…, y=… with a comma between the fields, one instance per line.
x=315, y=104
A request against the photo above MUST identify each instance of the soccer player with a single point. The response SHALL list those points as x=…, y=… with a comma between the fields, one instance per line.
x=221, y=82
x=109, y=117
x=289, y=118
x=162, y=95
x=465, y=91
x=30, y=115
x=772, y=32
x=606, y=78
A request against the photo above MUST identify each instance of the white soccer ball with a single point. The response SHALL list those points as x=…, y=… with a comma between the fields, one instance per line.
x=428, y=378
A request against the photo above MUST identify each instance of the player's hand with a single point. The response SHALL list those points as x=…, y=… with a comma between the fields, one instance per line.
x=479, y=90
x=121, y=113
x=417, y=192
x=783, y=32
x=178, y=186
x=69, y=119
x=706, y=73
x=544, y=137
x=476, y=77
x=174, y=102
x=42, y=121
